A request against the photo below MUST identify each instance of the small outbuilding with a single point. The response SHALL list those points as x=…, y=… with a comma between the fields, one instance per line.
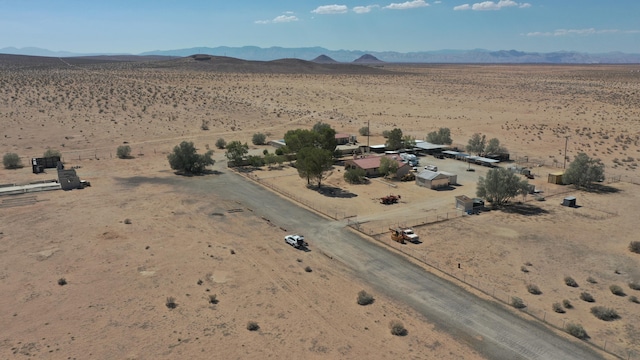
x=453, y=178
x=556, y=178
x=464, y=203
x=569, y=201
x=432, y=179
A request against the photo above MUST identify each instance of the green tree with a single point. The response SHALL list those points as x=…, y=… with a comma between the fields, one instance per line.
x=52, y=153
x=221, y=143
x=313, y=163
x=493, y=147
x=583, y=171
x=326, y=136
x=476, y=144
x=185, y=159
x=499, y=186
x=408, y=142
x=299, y=138
x=259, y=139
x=255, y=161
x=236, y=152
x=364, y=131
x=440, y=137
x=123, y=152
x=394, y=141
x=270, y=159
x=11, y=161
x=388, y=166
x=355, y=176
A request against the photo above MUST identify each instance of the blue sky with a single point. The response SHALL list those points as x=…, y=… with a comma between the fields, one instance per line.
x=135, y=26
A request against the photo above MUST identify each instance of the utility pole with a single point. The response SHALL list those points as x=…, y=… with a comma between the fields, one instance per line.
x=368, y=133
x=564, y=161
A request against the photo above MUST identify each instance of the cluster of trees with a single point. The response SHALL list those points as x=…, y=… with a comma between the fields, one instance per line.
x=478, y=145
x=440, y=137
x=396, y=140
x=185, y=159
x=584, y=171
x=314, y=151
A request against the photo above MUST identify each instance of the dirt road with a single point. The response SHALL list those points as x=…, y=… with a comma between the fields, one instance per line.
x=494, y=331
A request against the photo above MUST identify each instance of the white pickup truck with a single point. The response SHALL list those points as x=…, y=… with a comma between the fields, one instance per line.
x=296, y=241
x=410, y=236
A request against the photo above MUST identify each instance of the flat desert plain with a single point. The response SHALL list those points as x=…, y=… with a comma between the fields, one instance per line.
x=142, y=234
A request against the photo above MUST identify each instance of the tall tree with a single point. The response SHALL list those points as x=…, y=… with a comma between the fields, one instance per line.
x=236, y=151
x=326, y=136
x=493, y=147
x=394, y=141
x=499, y=186
x=388, y=166
x=441, y=137
x=312, y=163
x=476, y=144
x=583, y=171
x=299, y=138
x=408, y=142
x=185, y=159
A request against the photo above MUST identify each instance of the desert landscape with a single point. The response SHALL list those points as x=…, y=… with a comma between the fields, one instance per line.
x=142, y=234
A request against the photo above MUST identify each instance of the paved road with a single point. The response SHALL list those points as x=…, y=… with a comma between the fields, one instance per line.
x=489, y=328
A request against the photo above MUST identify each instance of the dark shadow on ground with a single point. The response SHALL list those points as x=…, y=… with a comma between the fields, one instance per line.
x=445, y=188
x=602, y=189
x=524, y=209
x=332, y=191
x=204, y=173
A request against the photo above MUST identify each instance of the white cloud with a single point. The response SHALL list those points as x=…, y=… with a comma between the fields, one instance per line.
x=437, y=2
x=581, y=32
x=364, y=9
x=492, y=5
x=330, y=9
x=279, y=19
x=407, y=5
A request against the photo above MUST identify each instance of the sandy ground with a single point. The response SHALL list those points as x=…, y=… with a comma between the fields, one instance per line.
x=120, y=275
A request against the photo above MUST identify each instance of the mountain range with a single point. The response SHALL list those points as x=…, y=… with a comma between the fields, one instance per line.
x=479, y=56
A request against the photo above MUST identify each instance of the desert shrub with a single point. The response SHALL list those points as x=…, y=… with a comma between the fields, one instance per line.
x=308, y=269
x=253, y=326
x=204, y=125
x=171, y=303
x=576, y=330
x=233, y=252
x=123, y=152
x=127, y=221
x=567, y=304
x=617, y=290
x=397, y=328
x=62, y=281
x=213, y=299
x=604, y=313
x=591, y=280
x=255, y=161
x=524, y=269
x=364, y=298
x=634, y=285
x=528, y=263
x=279, y=152
x=517, y=303
x=385, y=134
x=221, y=143
x=355, y=176
x=533, y=289
x=364, y=131
x=52, y=153
x=259, y=139
x=634, y=246
x=634, y=299
x=570, y=281
x=557, y=307
x=11, y=161
x=587, y=297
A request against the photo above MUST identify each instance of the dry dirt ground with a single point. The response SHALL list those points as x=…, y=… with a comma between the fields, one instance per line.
x=120, y=275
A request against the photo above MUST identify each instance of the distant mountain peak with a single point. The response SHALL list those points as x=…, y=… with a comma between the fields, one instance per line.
x=367, y=59
x=324, y=59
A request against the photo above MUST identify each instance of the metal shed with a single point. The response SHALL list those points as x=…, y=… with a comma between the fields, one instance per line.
x=432, y=179
x=556, y=178
x=569, y=201
x=453, y=178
